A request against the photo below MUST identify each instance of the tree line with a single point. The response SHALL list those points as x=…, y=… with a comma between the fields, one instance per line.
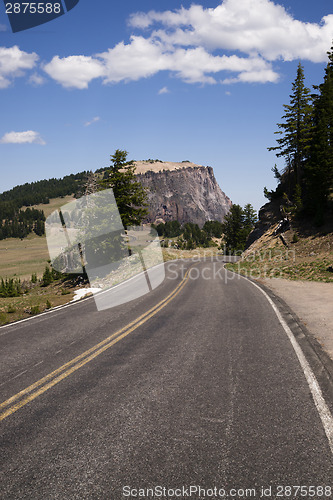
x=234, y=230
x=18, y=223
x=306, y=143
x=21, y=223
x=189, y=235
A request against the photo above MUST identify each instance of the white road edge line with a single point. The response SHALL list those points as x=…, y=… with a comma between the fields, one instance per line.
x=323, y=410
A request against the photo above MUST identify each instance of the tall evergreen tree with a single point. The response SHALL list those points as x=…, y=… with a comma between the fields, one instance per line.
x=233, y=229
x=129, y=193
x=295, y=131
x=319, y=170
x=237, y=225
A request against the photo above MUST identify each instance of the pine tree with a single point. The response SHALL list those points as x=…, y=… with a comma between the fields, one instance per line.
x=233, y=229
x=47, y=276
x=295, y=138
x=129, y=193
x=249, y=217
x=319, y=170
x=237, y=225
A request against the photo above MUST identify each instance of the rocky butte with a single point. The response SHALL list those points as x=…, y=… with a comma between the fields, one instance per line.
x=182, y=191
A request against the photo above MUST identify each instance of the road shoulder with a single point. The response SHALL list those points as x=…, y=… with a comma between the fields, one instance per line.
x=313, y=304
x=310, y=322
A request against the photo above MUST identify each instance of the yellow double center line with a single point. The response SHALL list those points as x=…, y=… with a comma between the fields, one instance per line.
x=27, y=395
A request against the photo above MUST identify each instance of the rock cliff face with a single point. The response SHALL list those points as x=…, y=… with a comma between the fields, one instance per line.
x=182, y=191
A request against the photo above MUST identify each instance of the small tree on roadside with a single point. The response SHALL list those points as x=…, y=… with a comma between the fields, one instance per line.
x=47, y=276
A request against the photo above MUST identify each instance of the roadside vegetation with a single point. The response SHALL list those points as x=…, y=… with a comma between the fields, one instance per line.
x=20, y=299
x=304, y=255
x=305, y=142
x=303, y=250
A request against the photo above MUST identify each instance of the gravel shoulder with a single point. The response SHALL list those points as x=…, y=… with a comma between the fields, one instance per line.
x=313, y=304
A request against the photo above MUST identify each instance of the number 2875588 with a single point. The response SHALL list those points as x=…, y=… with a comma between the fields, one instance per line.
x=33, y=8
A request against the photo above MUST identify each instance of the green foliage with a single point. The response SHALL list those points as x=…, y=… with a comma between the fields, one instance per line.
x=213, y=228
x=171, y=229
x=190, y=235
x=298, y=203
x=35, y=193
x=34, y=310
x=306, y=143
x=18, y=223
x=295, y=130
x=34, y=278
x=49, y=276
x=319, y=169
x=48, y=304
x=238, y=224
x=129, y=193
x=10, y=287
x=11, y=309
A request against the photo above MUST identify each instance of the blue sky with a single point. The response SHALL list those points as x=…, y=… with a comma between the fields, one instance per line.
x=204, y=82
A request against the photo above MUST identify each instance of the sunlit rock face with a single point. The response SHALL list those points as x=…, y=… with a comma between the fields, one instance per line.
x=182, y=191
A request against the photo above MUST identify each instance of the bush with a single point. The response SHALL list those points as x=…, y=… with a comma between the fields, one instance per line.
x=34, y=310
x=11, y=309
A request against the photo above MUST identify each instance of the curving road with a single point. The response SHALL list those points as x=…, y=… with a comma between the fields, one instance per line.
x=195, y=384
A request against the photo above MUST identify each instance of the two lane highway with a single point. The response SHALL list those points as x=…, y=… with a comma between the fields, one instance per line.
x=195, y=383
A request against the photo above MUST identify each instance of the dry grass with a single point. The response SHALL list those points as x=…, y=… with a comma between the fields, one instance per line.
x=307, y=258
x=172, y=253
x=36, y=301
x=54, y=204
x=21, y=258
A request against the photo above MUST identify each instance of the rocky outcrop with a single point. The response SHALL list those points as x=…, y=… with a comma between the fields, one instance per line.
x=269, y=215
x=182, y=191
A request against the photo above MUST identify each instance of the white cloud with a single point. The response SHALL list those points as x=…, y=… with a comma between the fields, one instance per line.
x=237, y=41
x=144, y=57
x=27, y=137
x=250, y=26
x=13, y=63
x=141, y=58
x=74, y=71
x=36, y=80
x=164, y=90
x=94, y=120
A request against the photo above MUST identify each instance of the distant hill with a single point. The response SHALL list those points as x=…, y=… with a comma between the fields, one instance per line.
x=18, y=223
x=180, y=191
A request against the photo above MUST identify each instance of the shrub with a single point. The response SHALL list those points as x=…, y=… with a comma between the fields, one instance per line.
x=34, y=310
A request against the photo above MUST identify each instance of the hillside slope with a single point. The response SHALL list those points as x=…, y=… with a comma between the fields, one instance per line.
x=301, y=251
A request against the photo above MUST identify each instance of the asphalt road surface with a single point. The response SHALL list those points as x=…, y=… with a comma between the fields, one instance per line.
x=196, y=384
